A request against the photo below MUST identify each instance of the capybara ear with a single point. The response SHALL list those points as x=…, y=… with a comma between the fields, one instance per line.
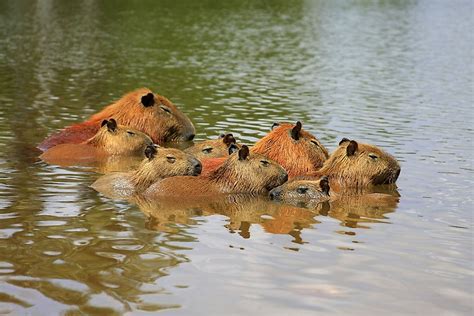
x=324, y=184
x=111, y=125
x=275, y=125
x=148, y=100
x=150, y=152
x=343, y=141
x=243, y=152
x=295, y=132
x=229, y=139
x=104, y=122
x=351, y=148
x=233, y=148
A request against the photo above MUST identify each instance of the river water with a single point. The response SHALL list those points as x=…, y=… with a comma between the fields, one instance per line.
x=398, y=74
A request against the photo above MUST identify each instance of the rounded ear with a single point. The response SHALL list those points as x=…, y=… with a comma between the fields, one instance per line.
x=229, y=139
x=243, y=152
x=233, y=148
x=295, y=132
x=343, y=141
x=103, y=123
x=111, y=125
x=148, y=100
x=275, y=125
x=324, y=185
x=150, y=152
x=351, y=148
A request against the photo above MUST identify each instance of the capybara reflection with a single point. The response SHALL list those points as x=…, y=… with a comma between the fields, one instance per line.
x=242, y=172
x=359, y=165
x=295, y=149
x=214, y=148
x=159, y=163
x=110, y=140
x=142, y=110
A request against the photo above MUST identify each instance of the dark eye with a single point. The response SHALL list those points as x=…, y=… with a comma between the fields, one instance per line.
x=264, y=163
x=130, y=133
x=373, y=156
x=302, y=190
x=207, y=150
x=315, y=142
x=164, y=108
x=171, y=159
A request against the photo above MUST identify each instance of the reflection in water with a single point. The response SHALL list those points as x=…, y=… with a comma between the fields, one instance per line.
x=386, y=72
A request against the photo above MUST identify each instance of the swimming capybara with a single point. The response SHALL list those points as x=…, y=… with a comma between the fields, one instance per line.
x=159, y=163
x=242, y=172
x=142, y=110
x=110, y=140
x=302, y=191
x=358, y=165
x=214, y=148
x=295, y=149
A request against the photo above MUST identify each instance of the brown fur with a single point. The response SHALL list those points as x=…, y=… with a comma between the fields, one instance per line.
x=302, y=191
x=166, y=162
x=213, y=148
x=162, y=120
x=120, y=140
x=298, y=157
x=358, y=169
x=240, y=173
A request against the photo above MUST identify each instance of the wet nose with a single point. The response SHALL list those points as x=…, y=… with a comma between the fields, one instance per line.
x=285, y=177
x=275, y=193
x=191, y=136
x=197, y=167
x=397, y=173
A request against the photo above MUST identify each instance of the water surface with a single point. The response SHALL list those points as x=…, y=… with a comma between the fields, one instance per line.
x=394, y=73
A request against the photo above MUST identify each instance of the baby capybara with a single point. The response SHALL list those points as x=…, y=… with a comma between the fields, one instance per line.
x=242, y=172
x=214, y=148
x=142, y=110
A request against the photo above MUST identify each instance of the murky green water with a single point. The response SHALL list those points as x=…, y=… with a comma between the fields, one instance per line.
x=395, y=73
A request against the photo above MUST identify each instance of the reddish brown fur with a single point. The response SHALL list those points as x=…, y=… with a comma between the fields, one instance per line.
x=129, y=110
x=119, y=141
x=298, y=157
x=213, y=148
x=253, y=174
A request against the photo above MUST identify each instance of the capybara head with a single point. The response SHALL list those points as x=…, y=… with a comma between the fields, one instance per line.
x=296, y=150
x=152, y=114
x=252, y=173
x=302, y=190
x=162, y=163
x=358, y=165
x=117, y=139
x=214, y=148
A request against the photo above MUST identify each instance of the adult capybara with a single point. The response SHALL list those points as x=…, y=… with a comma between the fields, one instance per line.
x=357, y=165
x=142, y=110
x=214, y=148
x=300, y=191
x=159, y=163
x=242, y=172
x=110, y=140
x=295, y=149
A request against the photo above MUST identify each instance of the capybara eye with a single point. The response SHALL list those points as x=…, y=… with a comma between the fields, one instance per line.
x=164, y=108
x=315, y=142
x=171, y=159
x=373, y=156
x=264, y=163
x=302, y=190
x=207, y=150
x=130, y=133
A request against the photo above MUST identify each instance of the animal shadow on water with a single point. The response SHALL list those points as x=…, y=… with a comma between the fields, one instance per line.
x=242, y=211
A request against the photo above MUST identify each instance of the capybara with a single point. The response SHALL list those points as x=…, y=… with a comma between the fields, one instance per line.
x=110, y=140
x=159, y=163
x=302, y=191
x=359, y=165
x=142, y=110
x=295, y=149
x=214, y=148
x=242, y=172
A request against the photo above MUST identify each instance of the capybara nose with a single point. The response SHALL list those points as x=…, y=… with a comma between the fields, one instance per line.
x=397, y=174
x=197, y=167
x=275, y=193
x=191, y=136
x=285, y=177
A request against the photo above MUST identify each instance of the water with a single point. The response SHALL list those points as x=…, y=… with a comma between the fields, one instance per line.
x=398, y=74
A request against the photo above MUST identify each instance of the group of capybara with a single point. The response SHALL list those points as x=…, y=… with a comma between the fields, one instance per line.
x=288, y=164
